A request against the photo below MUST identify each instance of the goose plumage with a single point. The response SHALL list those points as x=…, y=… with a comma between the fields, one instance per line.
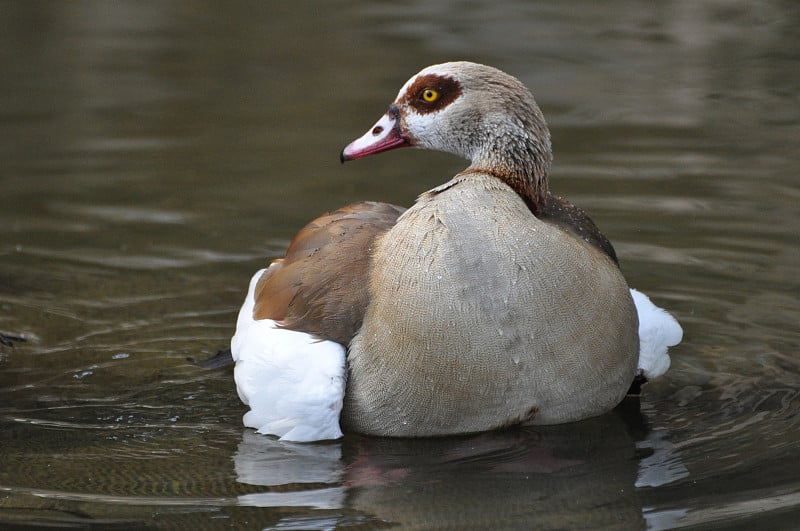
x=487, y=303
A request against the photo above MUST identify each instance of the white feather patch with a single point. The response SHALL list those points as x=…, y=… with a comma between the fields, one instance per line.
x=658, y=330
x=293, y=383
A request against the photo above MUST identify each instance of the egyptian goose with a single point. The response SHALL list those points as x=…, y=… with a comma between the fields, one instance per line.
x=487, y=303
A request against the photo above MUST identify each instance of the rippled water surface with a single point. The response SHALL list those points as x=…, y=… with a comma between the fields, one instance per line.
x=155, y=154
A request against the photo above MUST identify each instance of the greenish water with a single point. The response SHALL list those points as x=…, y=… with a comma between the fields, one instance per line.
x=155, y=154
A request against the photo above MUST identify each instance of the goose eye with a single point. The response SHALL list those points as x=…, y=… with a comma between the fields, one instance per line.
x=429, y=95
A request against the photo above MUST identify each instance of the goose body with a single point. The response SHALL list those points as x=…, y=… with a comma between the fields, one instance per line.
x=506, y=330
x=487, y=303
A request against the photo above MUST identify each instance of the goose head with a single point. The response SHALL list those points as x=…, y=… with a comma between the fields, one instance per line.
x=474, y=111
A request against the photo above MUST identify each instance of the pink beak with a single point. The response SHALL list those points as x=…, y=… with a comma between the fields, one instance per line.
x=383, y=136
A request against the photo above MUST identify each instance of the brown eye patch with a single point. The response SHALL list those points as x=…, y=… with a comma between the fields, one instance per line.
x=448, y=89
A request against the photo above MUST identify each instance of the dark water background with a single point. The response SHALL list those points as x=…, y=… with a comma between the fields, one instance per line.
x=154, y=154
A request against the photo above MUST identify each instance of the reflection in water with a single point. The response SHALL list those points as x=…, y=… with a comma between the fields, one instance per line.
x=551, y=477
x=155, y=154
x=663, y=465
x=261, y=460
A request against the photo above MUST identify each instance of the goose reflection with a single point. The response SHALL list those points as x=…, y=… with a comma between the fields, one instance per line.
x=579, y=474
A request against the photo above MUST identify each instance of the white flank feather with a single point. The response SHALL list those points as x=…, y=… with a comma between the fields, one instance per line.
x=658, y=330
x=293, y=383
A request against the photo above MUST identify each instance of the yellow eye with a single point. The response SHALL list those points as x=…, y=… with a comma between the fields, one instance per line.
x=429, y=95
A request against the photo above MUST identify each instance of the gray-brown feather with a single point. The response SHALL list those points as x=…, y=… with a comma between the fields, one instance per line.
x=484, y=314
x=320, y=286
x=574, y=220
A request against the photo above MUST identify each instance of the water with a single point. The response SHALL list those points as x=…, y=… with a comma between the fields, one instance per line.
x=155, y=154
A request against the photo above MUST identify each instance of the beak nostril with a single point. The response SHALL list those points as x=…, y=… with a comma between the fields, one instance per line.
x=377, y=130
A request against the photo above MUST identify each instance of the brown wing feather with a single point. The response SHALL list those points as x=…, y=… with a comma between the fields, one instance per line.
x=321, y=285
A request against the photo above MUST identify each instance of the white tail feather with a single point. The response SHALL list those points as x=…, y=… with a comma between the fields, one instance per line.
x=658, y=330
x=293, y=382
